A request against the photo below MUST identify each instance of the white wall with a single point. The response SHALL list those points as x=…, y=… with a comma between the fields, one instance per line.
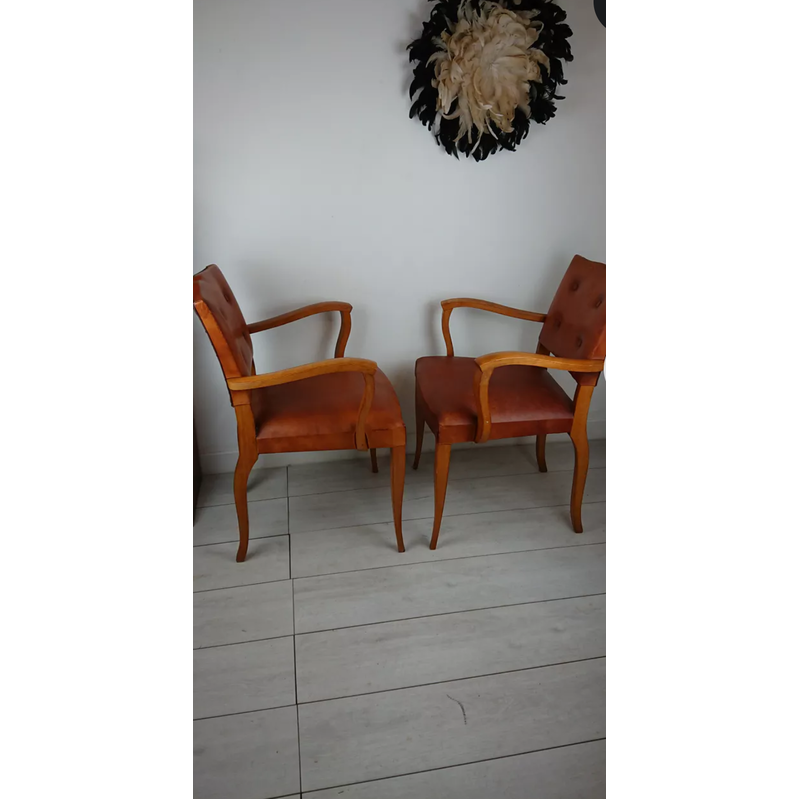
x=311, y=183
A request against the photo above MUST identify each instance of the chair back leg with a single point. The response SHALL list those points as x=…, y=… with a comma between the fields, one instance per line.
x=540, y=459
x=420, y=430
x=373, y=455
x=398, y=471
x=441, y=471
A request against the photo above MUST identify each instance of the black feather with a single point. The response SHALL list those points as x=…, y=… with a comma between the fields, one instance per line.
x=415, y=107
x=416, y=84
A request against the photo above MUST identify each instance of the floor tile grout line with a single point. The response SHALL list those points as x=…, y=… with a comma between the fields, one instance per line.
x=298, y=706
x=257, y=583
x=452, y=766
x=242, y=585
x=444, y=516
x=245, y=641
x=449, y=613
x=454, y=558
x=451, y=680
x=252, y=500
x=399, y=689
x=394, y=566
x=403, y=619
x=250, y=539
x=389, y=522
x=288, y=532
x=241, y=713
x=299, y=753
x=288, y=495
x=421, y=482
x=294, y=643
x=397, y=566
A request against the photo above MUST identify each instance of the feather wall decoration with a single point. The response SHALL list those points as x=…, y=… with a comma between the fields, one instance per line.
x=485, y=68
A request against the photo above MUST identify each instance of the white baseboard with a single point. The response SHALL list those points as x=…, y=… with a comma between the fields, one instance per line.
x=213, y=463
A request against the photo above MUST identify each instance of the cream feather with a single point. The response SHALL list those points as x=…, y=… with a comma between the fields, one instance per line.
x=486, y=63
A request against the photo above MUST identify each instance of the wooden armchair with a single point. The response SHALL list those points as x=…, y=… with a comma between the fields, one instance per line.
x=504, y=395
x=337, y=404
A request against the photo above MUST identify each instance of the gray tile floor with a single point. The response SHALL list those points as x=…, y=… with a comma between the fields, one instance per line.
x=330, y=665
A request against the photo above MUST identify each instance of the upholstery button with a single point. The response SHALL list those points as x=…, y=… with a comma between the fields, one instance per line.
x=598, y=302
x=579, y=341
x=575, y=285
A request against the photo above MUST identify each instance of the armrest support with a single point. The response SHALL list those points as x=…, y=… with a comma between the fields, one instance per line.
x=488, y=363
x=240, y=387
x=483, y=305
x=344, y=310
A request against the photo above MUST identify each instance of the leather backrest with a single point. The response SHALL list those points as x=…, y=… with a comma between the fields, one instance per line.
x=576, y=322
x=222, y=318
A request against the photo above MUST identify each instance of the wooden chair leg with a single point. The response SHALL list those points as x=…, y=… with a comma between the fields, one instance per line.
x=248, y=455
x=541, y=438
x=398, y=480
x=373, y=454
x=420, y=433
x=581, y=444
x=441, y=471
x=240, y=476
x=580, y=441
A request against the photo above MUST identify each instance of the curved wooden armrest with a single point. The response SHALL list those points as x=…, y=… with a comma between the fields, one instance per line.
x=344, y=310
x=304, y=371
x=483, y=305
x=340, y=364
x=505, y=359
x=488, y=363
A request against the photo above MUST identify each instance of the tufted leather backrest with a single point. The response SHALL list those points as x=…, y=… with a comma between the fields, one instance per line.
x=576, y=322
x=222, y=318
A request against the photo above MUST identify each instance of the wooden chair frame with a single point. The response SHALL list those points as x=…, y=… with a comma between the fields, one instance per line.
x=590, y=368
x=240, y=389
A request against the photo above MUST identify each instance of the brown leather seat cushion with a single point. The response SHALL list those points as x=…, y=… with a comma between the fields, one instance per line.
x=524, y=400
x=320, y=413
